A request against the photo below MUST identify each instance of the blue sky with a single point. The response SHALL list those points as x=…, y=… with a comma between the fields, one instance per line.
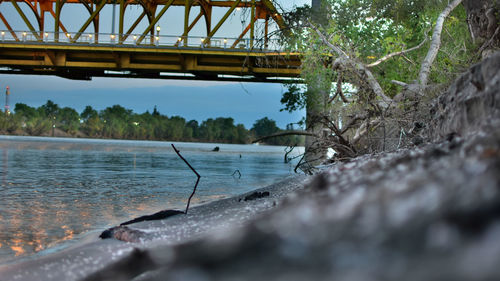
x=245, y=102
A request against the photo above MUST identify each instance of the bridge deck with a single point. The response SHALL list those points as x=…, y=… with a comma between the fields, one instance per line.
x=84, y=61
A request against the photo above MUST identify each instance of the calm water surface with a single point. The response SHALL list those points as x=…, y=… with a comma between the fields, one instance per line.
x=55, y=190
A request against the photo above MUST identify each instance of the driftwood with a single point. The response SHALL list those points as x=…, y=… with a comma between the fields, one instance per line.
x=286, y=133
x=256, y=195
x=156, y=216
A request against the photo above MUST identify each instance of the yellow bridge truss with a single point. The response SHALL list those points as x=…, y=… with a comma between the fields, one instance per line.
x=142, y=53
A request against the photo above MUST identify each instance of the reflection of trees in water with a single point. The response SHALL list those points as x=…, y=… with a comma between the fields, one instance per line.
x=5, y=168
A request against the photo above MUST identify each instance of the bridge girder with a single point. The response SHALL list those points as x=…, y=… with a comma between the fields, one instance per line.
x=260, y=9
x=67, y=57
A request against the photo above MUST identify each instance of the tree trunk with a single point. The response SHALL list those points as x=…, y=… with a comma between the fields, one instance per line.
x=483, y=17
x=315, y=108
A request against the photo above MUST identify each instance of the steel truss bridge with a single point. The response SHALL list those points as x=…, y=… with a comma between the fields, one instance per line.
x=28, y=46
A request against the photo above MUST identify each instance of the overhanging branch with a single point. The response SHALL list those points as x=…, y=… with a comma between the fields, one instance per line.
x=287, y=133
x=400, y=53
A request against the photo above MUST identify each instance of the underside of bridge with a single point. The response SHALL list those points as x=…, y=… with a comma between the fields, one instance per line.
x=140, y=52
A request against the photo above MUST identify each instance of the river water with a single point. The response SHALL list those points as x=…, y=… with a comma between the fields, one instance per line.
x=54, y=191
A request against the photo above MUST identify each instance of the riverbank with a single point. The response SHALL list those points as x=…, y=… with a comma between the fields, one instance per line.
x=214, y=218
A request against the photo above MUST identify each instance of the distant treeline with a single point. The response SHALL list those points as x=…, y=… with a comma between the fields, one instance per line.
x=117, y=122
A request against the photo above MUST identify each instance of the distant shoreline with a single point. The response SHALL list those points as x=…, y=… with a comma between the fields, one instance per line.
x=80, y=135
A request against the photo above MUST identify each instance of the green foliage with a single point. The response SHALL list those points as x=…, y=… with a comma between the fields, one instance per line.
x=264, y=127
x=68, y=120
x=38, y=126
x=88, y=113
x=9, y=123
x=367, y=30
x=49, y=109
x=121, y=123
x=267, y=127
x=25, y=111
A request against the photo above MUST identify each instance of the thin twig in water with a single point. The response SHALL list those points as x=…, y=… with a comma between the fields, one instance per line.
x=191, y=167
x=288, y=149
x=237, y=172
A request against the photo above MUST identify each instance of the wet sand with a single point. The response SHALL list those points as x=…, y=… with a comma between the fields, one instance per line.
x=94, y=254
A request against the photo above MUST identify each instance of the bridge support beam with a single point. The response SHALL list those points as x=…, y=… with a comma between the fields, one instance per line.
x=89, y=20
x=223, y=19
x=4, y=20
x=25, y=19
x=155, y=21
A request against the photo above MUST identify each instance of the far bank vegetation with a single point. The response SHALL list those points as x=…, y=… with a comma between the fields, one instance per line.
x=117, y=122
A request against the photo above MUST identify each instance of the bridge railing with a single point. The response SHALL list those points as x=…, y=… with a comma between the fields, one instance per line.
x=136, y=40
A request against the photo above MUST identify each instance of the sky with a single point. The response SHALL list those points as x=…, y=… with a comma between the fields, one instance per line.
x=199, y=100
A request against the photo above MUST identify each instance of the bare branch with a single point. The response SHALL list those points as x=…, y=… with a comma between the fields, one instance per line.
x=345, y=61
x=489, y=42
x=342, y=96
x=191, y=167
x=336, y=49
x=363, y=129
x=381, y=60
x=339, y=89
x=286, y=133
x=353, y=121
x=425, y=69
x=399, y=83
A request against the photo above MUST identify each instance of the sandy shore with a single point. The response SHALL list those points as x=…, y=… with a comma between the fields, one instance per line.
x=94, y=254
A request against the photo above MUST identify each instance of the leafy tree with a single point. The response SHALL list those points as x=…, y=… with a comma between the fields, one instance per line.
x=208, y=130
x=25, y=111
x=50, y=109
x=116, y=112
x=227, y=130
x=68, y=120
x=10, y=123
x=38, y=126
x=88, y=113
x=365, y=62
x=193, y=125
x=155, y=112
x=175, y=128
x=241, y=134
x=264, y=127
x=93, y=126
x=117, y=121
